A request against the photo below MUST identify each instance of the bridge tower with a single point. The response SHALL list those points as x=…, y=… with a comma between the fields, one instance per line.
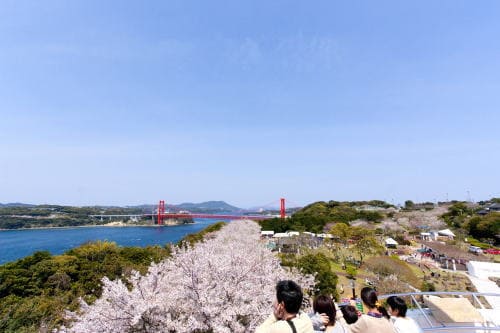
x=161, y=212
x=282, y=208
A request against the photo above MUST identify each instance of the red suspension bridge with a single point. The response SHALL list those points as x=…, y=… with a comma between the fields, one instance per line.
x=162, y=215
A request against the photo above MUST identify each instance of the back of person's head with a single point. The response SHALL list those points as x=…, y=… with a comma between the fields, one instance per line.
x=397, y=303
x=370, y=298
x=350, y=313
x=290, y=294
x=324, y=304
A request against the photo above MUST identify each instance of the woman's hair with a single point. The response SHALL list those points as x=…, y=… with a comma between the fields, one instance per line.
x=397, y=303
x=369, y=297
x=350, y=313
x=324, y=304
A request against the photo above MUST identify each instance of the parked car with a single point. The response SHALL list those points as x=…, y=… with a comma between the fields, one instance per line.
x=475, y=249
x=492, y=251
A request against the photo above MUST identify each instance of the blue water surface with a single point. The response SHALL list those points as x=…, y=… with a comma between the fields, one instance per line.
x=16, y=244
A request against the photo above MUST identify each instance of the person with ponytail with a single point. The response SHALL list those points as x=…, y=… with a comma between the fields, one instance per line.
x=376, y=318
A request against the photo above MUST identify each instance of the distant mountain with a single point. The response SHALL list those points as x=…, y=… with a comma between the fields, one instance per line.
x=202, y=207
x=16, y=204
x=146, y=208
x=208, y=206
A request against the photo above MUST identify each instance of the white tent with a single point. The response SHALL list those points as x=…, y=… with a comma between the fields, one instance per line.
x=390, y=242
x=281, y=235
x=267, y=233
x=446, y=232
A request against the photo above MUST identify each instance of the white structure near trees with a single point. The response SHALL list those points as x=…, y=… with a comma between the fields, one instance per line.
x=446, y=233
x=391, y=242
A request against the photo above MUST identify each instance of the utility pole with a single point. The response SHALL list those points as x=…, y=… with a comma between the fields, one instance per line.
x=352, y=284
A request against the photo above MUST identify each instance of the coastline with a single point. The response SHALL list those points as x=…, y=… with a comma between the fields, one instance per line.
x=108, y=225
x=17, y=245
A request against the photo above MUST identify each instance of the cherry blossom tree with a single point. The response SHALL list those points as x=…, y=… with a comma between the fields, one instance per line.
x=224, y=284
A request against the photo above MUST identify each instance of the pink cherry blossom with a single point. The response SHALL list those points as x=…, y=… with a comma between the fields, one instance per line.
x=225, y=284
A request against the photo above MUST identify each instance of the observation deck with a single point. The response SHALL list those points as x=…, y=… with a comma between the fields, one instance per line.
x=449, y=312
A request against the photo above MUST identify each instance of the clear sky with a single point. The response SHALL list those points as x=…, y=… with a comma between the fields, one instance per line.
x=129, y=102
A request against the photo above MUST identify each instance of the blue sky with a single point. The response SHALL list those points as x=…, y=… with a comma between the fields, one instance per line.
x=129, y=102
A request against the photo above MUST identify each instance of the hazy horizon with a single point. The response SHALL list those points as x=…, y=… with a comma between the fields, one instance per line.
x=268, y=206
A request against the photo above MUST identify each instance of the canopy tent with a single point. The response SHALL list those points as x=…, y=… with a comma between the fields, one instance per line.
x=446, y=232
x=390, y=242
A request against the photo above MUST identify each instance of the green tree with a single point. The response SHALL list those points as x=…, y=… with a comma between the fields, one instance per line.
x=485, y=227
x=366, y=246
x=457, y=214
x=351, y=272
x=35, y=290
x=319, y=265
x=358, y=233
x=342, y=231
x=409, y=205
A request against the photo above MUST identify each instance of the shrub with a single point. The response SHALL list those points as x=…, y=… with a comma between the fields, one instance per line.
x=326, y=279
x=428, y=286
x=351, y=272
x=191, y=239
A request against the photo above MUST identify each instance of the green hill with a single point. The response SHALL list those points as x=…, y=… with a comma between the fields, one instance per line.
x=315, y=216
x=208, y=207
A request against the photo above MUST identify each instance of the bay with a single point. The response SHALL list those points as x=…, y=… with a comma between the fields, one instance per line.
x=16, y=244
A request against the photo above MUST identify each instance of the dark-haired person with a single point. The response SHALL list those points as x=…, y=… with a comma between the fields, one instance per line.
x=402, y=324
x=286, y=316
x=349, y=313
x=376, y=318
x=323, y=306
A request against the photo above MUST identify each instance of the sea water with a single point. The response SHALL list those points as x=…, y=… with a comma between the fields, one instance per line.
x=16, y=244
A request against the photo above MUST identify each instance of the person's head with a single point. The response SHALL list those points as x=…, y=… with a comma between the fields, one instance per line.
x=397, y=306
x=350, y=313
x=289, y=294
x=370, y=299
x=324, y=304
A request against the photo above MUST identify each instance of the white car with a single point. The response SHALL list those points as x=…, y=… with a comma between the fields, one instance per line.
x=475, y=249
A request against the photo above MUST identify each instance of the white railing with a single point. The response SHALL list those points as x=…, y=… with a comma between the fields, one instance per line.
x=430, y=324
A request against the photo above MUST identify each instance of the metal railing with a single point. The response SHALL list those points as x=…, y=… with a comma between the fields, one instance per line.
x=438, y=326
